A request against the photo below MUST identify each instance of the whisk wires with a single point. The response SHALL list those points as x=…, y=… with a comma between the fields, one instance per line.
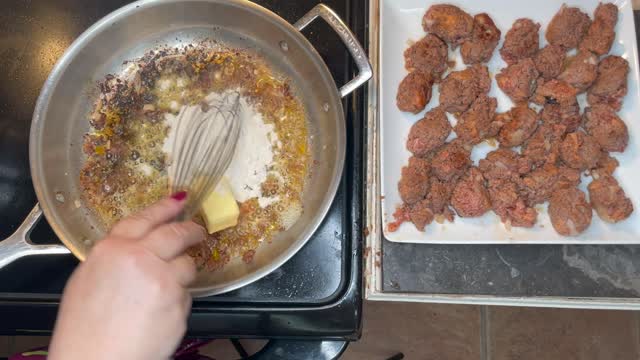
x=204, y=144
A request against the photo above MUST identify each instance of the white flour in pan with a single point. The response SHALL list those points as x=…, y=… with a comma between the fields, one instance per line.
x=253, y=157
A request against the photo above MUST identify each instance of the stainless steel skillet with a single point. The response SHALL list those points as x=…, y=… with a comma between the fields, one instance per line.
x=60, y=117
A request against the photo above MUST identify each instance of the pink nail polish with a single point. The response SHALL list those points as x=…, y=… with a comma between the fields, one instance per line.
x=179, y=196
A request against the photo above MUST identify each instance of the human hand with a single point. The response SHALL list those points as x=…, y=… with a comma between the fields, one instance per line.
x=128, y=300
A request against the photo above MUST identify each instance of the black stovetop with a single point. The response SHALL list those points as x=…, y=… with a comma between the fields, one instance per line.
x=314, y=295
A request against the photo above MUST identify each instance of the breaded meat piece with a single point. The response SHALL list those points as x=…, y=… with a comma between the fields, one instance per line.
x=580, y=151
x=580, y=71
x=414, y=181
x=518, y=80
x=549, y=61
x=470, y=197
x=609, y=200
x=601, y=33
x=477, y=123
x=428, y=133
x=429, y=56
x=519, y=124
x=483, y=41
x=460, y=88
x=414, y=92
x=567, y=27
x=449, y=23
x=610, y=86
x=521, y=41
x=569, y=211
x=602, y=122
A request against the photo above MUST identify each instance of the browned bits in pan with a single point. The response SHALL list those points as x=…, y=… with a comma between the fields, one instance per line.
x=483, y=41
x=521, y=41
x=414, y=92
x=567, y=27
x=448, y=22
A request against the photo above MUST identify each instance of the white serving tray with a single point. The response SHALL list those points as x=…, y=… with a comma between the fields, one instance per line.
x=400, y=24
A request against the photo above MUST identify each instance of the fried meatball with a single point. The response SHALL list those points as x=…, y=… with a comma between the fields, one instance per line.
x=470, y=197
x=580, y=71
x=567, y=116
x=429, y=56
x=567, y=27
x=476, y=124
x=439, y=194
x=449, y=23
x=518, y=80
x=507, y=204
x=579, y=151
x=414, y=182
x=544, y=145
x=601, y=122
x=536, y=187
x=549, y=61
x=521, y=41
x=610, y=86
x=428, y=133
x=569, y=211
x=520, y=123
x=414, y=92
x=609, y=200
x=420, y=214
x=504, y=163
x=460, y=88
x=450, y=161
x=607, y=164
x=484, y=39
x=601, y=33
x=554, y=92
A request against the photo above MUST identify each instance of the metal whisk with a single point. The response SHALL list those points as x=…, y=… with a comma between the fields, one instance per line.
x=204, y=144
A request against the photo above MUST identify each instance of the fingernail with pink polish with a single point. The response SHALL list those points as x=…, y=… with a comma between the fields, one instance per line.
x=179, y=196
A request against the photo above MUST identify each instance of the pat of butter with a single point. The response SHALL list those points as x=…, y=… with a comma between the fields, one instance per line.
x=219, y=209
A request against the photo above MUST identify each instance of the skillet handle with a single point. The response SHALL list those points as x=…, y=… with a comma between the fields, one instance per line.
x=19, y=243
x=348, y=38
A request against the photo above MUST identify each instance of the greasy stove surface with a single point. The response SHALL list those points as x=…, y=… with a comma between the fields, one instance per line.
x=322, y=281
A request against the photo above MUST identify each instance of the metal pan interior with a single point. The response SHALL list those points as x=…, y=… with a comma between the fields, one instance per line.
x=60, y=119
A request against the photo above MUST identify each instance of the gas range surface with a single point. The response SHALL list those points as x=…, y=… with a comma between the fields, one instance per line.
x=321, y=282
